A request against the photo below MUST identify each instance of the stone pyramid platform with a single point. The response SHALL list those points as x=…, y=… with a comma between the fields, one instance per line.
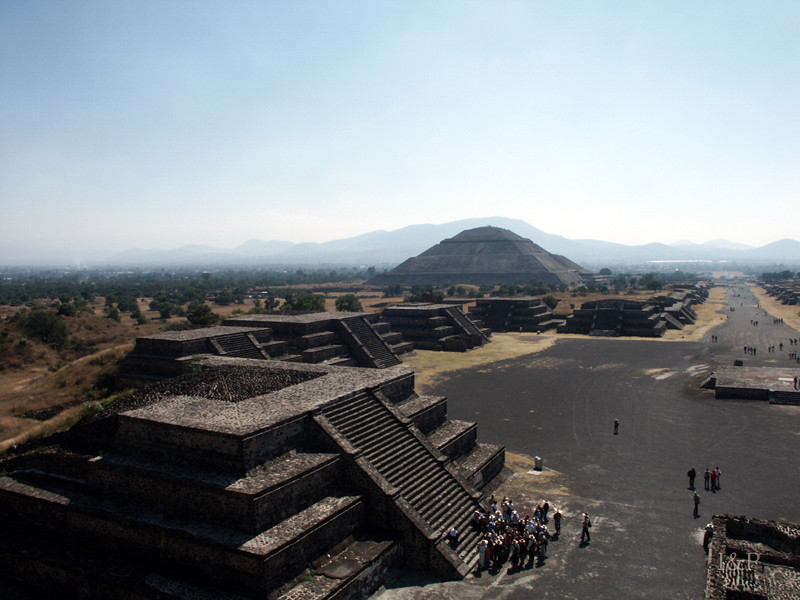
x=335, y=338
x=514, y=314
x=208, y=488
x=436, y=326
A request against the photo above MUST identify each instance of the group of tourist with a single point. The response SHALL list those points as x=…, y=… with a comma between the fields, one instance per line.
x=750, y=350
x=507, y=536
x=711, y=478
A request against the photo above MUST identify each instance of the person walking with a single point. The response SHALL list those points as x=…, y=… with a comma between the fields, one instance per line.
x=696, y=513
x=718, y=474
x=707, y=479
x=713, y=480
x=587, y=524
x=692, y=474
x=557, y=521
x=616, y=426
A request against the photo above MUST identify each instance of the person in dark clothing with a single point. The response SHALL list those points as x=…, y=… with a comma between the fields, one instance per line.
x=692, y=474
x=709, y=533
x=557, y=521
x=585, y=536
x=696, y=512
x=707, y=479
x=616, y=426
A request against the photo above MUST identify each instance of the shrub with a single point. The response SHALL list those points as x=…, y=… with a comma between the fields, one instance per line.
x=550, y=300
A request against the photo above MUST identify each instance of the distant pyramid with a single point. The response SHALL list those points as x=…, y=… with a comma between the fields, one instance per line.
x=485, y=256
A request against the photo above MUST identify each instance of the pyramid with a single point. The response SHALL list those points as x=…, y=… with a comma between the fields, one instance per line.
x=485, y=256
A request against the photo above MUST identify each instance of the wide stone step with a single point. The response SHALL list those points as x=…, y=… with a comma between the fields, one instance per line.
x=314, y=340
x=220, y=554
x=391, y=337
x=402, y=348
x=481, y=464
x=266, y=495
x=56, y=567
x=454, y=438
x=355, y=571
x=427, y=412
x=321, y=353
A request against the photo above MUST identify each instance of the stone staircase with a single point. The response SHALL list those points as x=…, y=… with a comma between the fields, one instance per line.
x=469, y=328
x=409, y=465
x=672, y=322
x=237, y=345
x=363, y=339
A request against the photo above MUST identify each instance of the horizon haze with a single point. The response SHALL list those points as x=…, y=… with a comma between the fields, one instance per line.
x=150, y=124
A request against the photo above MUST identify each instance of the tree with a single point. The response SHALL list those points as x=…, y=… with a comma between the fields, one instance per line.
x=304, y=302
x=605, y=271
x=67, y=309
x=651, y=282
x=47, y=326
x=113, y=313
x=393, y=290
x=224, y=298
x=202, y=315
x=348, y=303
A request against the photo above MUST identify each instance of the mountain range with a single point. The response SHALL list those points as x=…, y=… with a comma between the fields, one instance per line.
x=388, y=248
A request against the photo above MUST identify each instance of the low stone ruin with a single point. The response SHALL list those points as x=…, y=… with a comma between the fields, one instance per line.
x=612, y=318
x=770, y=384
x=436, y=326
x=247, y=478
x=514, y=314
x=750, y=559
x=650, y=318
x=786, y=292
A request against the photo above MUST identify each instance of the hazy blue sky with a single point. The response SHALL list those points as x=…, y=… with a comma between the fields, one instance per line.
x=164, y=123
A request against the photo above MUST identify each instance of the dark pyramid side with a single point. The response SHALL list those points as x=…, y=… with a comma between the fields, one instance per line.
x=485, y=256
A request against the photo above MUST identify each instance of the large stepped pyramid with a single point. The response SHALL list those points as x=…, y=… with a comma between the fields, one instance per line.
x=484, y=256
x=231, y=481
